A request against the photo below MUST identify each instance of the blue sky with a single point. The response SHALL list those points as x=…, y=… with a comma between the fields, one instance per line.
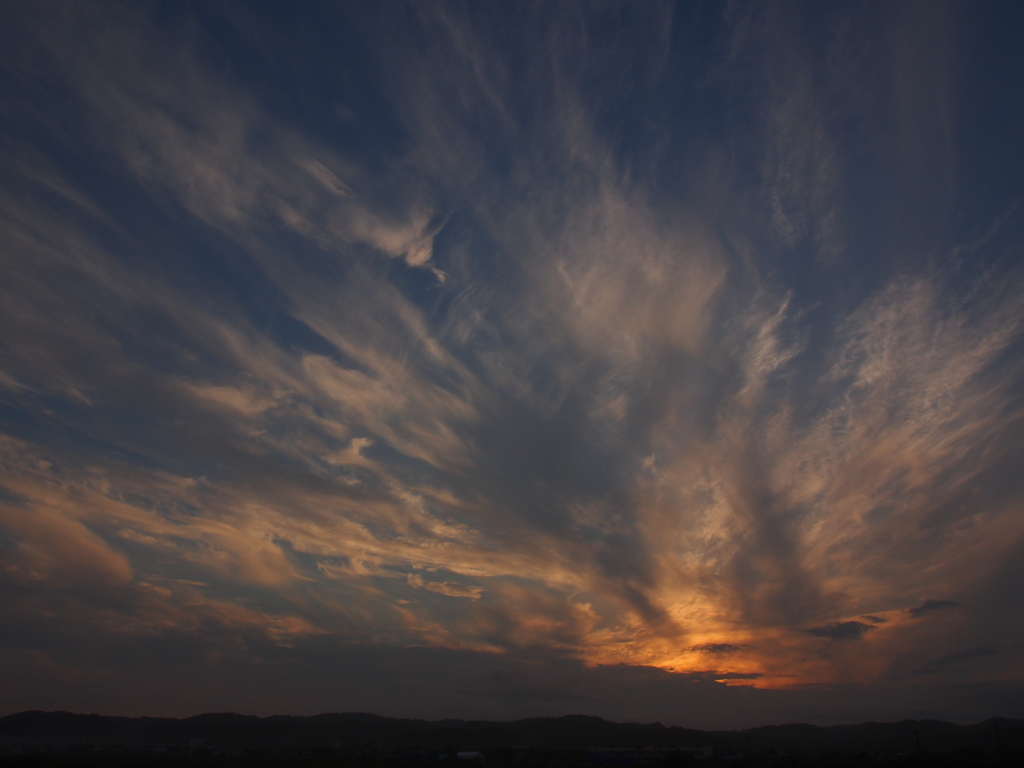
x=653, y=361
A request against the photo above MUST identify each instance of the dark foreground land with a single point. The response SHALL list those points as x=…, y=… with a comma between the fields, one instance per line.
x=39, y=739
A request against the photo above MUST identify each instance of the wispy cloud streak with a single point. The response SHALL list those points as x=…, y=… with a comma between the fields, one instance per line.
x=507, y=389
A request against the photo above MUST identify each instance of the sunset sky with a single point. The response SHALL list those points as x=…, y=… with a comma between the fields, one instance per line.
x=498, y=359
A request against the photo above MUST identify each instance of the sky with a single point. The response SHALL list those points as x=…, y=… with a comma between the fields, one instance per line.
x=662, y=362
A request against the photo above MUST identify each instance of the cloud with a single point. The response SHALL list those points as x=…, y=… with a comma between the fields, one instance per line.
x=841, y=630
x=716, y=648
x=959, y=659
x=214, y=147
x=449, y=588
x=619, y=431
x=931, y=605
x=55, y=548
x=802, y=168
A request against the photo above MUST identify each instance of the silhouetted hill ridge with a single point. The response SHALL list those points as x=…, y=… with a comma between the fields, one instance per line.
x=358, y=730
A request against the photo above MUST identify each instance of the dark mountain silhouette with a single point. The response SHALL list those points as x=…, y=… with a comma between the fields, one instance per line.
x=363, y=731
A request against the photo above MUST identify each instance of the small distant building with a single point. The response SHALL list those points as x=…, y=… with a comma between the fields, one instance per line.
x=473, y=757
